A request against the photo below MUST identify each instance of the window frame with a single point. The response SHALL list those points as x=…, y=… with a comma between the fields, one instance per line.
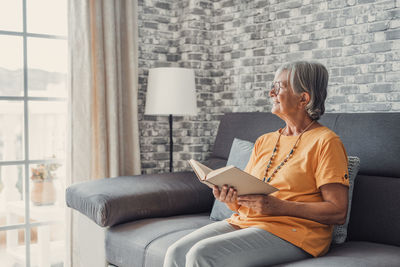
x=26, y=162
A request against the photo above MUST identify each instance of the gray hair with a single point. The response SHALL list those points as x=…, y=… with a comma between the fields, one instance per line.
x=310, y=77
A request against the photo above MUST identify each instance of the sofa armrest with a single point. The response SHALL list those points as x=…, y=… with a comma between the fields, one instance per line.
x=112, y=201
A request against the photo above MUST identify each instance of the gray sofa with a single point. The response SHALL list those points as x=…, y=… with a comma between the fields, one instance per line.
x=142, y=215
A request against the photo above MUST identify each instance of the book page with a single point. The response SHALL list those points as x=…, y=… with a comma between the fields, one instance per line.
x=218, y=171
x=200, y=169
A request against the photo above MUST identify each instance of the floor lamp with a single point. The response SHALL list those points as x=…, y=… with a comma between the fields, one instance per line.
x=171, y=91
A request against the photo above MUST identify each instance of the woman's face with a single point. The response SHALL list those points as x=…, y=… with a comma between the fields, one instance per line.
x=286, y=102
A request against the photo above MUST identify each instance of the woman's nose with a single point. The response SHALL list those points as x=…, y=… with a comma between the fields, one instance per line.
x=271, y=93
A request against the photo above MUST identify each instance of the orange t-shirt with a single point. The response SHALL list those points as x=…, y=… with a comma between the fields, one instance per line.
x=320, y=158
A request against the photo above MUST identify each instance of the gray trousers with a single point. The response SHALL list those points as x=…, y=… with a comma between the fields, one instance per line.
x=220, y=244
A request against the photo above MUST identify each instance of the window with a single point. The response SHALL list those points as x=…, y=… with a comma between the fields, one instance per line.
x=33, y=114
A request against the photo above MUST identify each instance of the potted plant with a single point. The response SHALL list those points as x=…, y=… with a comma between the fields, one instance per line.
x=43, y=190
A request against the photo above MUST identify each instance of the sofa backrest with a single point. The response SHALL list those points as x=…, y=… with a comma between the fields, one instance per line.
x=373, y=137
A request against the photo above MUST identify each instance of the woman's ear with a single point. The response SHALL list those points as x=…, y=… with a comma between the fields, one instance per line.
x=304, y=99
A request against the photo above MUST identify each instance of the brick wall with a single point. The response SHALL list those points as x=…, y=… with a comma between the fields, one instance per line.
x=235, y=46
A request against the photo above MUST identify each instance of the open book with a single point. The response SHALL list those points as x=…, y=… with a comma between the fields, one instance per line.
x=243, y=182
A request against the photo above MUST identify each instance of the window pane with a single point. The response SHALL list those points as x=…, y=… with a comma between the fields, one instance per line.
x=47, y=67
x=48, y=245
x=12, y=206
x=11, y=15
x=11, y=66
x=47, y=16
x=12, y=248
x=11, y=132
x=47, y=129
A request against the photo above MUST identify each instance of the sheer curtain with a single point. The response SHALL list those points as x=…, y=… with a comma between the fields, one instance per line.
x=103, y=77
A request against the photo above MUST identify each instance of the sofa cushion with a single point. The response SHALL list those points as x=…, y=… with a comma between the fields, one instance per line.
x=122, y=199
x=373, y=137
x=145, y=242
x=354, y=254
x=340, y=231
x=375, y=212
x=239, y=155
x=245, y=126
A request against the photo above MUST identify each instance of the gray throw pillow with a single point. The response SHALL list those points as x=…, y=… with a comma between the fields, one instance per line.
x=340, y=231
x=239, y=156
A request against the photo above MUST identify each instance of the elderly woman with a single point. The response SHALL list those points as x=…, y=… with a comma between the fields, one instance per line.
x=305, y=161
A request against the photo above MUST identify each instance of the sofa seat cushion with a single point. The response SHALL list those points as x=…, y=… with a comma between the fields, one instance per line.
x=354, y=254
x=145, y=242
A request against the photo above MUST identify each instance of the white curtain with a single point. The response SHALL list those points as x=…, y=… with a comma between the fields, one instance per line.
x=103, y=81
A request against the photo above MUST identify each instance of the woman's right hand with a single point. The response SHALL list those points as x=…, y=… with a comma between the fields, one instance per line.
x=227, y=194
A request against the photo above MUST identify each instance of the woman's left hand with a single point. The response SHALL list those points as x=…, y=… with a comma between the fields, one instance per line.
x=262, y=204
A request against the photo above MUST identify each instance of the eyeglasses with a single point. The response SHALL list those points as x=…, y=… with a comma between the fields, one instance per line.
x=276, y=87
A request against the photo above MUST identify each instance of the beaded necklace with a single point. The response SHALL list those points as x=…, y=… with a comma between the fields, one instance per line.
x=287, y=157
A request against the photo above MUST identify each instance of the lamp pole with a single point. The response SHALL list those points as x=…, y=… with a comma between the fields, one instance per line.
x=171, y=144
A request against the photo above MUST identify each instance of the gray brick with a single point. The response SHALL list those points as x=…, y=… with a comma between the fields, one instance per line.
x=349, y=71
x=261, y=102
x=359, y=98
x=228, y=3
x=364, y=59
x=198, y=11
x=335, y=42
x=173, y=58
x=260, y=4
x=365, y=79
x=294, y=4
x=151, y=25
x=350, y=51
x=293, y=56
x=148, y=165
x=227, y=95
x=161, y=156
x=380, y=88
x=392, y=77
x=394, y=13
x=380, y=47
x=392, y=35
x=381, y=67
x=259, y=52
x=206, y=81
x=282, y=15
x=160, y=50
x=247, y=78
x=378, y=26
x=217, y=73
x=236, y=54
x=292, y=39
x=365, y=1
x=163, y=5
x=195, y=56
x=335, y=99
x=349, y=89
x=307, y=46
x=309, y=9
x=318, y=54
x=323, y=16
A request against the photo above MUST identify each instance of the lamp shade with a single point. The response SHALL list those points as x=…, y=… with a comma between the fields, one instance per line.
x=171, y=91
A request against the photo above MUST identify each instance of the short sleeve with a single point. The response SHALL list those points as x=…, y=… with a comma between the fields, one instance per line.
x=332, y=163
x=253, y=156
